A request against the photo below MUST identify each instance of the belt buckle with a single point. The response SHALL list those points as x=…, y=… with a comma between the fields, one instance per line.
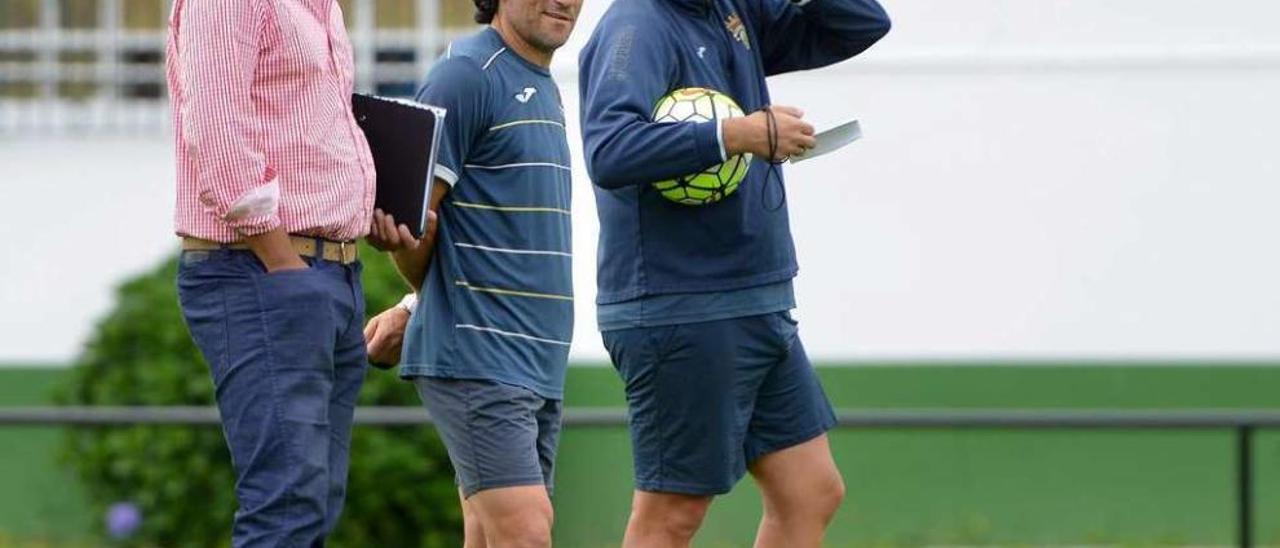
x=342, y=252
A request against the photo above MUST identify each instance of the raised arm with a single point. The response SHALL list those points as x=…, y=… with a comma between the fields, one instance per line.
x=808, y=34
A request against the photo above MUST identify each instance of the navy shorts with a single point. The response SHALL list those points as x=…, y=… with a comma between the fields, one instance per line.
x=707, y=399
x=497, y=435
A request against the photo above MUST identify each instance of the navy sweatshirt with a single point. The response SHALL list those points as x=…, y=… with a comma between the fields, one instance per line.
x=640, y=51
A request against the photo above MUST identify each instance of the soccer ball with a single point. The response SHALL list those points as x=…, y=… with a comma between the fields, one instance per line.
x=713, y=183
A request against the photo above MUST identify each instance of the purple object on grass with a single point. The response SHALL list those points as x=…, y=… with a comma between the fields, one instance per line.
x=123, y=519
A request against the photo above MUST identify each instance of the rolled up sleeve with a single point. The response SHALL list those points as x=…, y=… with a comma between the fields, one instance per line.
x=218, y=47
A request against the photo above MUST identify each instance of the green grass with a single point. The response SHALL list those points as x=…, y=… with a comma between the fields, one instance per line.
x=905, y=487
x=983, y=486
x=39, y=498
x=28, y=384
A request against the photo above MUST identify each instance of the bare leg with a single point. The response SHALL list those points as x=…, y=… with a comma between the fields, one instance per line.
x=515, y=517
x=802, y=490
x=664, y=520
x=472, y=527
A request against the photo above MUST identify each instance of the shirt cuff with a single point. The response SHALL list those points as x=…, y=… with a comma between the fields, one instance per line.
x=408, y=303
x=707, y=139
x=447, y=175
x=254, y=212
x=262, y=201
x=720, y=138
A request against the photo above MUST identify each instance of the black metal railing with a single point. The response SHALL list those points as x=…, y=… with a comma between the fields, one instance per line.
x=1242, y=422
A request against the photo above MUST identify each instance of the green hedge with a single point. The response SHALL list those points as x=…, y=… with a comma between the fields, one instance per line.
x=401, y=490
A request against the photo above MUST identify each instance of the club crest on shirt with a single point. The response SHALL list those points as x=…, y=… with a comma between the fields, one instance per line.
x=737, y=30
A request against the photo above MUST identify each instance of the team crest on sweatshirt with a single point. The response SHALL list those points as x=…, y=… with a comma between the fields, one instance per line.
x=737, y=30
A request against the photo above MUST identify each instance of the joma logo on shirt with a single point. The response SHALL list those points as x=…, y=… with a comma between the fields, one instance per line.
x=525, y=95
x=737, y=30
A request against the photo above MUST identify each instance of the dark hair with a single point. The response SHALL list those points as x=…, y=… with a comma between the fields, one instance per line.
x=485, y=10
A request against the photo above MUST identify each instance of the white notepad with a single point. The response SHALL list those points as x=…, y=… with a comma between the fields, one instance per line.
x=831, y=139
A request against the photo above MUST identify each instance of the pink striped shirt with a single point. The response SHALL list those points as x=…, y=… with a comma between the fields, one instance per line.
x=261, y=94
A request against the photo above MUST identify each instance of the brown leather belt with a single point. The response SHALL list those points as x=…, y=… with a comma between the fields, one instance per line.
x=306, y=246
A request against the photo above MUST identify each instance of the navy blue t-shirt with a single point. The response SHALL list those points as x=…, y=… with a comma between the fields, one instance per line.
x=497, y=301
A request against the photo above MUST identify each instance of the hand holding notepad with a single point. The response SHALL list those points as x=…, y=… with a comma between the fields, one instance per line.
x=403, y=137
x=831, y=139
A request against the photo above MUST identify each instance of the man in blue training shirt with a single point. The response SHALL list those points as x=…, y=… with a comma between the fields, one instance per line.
x=694, y=301
x=487, y=343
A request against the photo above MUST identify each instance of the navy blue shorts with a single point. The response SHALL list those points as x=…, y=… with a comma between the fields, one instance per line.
x=707, y=399
x=498, y=435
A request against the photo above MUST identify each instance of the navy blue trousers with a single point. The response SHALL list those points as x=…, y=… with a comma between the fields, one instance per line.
x=287, y=356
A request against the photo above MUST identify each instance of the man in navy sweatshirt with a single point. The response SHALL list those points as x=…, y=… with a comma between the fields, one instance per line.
x=694, y=302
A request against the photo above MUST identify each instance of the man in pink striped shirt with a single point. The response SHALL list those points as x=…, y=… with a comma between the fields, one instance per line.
x=275, y=184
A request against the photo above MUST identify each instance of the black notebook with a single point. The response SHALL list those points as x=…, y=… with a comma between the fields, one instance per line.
x=403, y=136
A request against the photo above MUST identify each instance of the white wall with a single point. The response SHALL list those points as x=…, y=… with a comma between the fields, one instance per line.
x=1038, y=178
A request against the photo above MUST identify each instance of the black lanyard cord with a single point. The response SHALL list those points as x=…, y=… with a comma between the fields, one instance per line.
x=773, y=173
